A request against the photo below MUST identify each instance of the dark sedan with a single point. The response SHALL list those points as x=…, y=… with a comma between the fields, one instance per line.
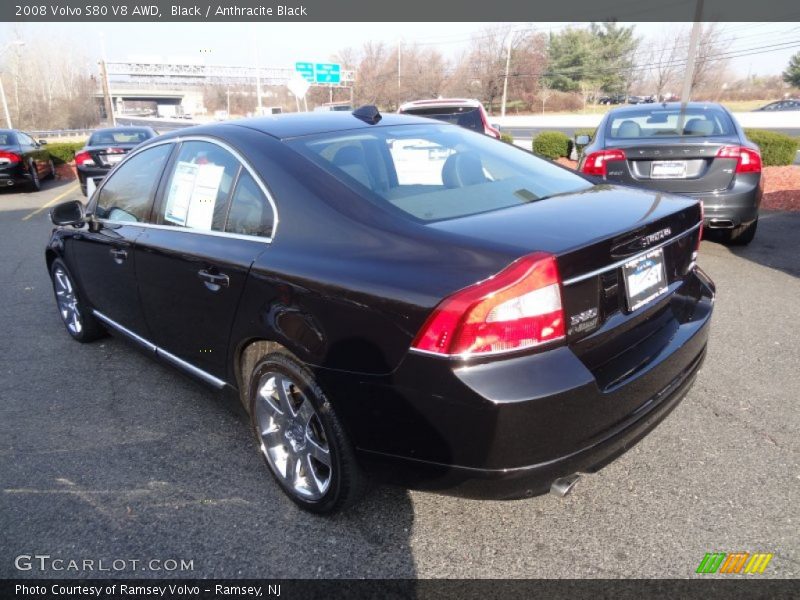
x=700, y=151
x=104, y=149
x=780, y=105
x=23, y=160
x=395, y=296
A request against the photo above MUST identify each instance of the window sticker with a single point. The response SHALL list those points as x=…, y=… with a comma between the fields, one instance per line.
x=193, y=194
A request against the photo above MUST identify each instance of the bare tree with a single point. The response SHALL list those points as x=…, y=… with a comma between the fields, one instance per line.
x=709, y=67
x=665, y=56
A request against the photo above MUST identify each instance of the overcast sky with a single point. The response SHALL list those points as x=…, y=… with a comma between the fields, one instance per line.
x=282, y=44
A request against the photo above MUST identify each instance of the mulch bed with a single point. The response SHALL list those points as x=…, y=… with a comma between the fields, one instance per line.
x=781, y=186
x=66, y=172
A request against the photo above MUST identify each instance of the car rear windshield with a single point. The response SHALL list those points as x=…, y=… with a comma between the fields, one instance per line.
x=435, y=172
x=657, y=122
x=119, y=136
x=7, y=138
x=464, y=116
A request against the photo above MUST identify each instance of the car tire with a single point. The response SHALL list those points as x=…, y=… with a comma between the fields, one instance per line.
x=36, y=183
x=52, y=166
x=743, y=235
x=300, y=437
x=79, y=322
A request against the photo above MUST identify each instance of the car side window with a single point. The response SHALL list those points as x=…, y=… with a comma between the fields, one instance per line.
x=198, y=188
x=250, y=213
x=127, y=193
x=24, y=139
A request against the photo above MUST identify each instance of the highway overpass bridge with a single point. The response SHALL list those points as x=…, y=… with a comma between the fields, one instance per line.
x=134, y=83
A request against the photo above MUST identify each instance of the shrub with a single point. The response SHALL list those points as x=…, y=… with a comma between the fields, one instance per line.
x=551, y=144
x=507, y=138
x=776, y=149
x=64, y=152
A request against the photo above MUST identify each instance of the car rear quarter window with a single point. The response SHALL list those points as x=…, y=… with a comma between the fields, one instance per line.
x=435, y=172
x=127, y=193
x=8, y=139
x=654, y=123
x=250, y=212
x=198, y=187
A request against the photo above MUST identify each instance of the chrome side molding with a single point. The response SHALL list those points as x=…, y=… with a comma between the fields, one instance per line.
x=158, y=351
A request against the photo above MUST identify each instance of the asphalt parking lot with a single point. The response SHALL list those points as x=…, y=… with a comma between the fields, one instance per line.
x=105, y=454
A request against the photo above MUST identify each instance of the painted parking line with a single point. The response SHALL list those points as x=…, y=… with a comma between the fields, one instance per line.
x=53, y=201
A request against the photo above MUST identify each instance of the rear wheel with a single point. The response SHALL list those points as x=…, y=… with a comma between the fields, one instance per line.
x=36, y=183
x=80, y=323
x=743, y=235
x=52, y=168
x=300, y=436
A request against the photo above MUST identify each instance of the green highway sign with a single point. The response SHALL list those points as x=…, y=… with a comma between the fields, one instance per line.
x=319, y=72
x=306, y=70
x=327, y=73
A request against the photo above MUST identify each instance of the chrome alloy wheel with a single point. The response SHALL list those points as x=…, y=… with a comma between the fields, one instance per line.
x=67, y=301
x=292, y=437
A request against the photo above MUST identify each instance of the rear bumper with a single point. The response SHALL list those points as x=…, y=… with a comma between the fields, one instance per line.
x=14, y=175
x=86, y=172
x=507, y=429
x=734, y=207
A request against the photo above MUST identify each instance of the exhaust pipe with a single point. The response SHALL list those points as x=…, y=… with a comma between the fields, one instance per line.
x=720, y=224
x=563, y=485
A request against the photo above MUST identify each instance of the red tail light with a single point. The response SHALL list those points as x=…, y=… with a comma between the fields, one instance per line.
x=84, y=158
x=595, y=163
x=518, y=308
x=748, y=160
x=9, y=157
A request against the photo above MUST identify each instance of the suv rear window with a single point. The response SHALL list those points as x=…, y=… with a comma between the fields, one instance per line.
x=464, y=116
x=666, y=122
x=435, y=172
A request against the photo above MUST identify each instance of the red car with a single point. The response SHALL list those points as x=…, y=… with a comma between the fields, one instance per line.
x=460, y=111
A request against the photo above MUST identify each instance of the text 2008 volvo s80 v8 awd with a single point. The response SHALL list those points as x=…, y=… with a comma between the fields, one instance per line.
x=395, y=297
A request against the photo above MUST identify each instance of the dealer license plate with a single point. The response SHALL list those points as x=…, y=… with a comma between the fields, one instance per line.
x=668, y=169
x=645, y=278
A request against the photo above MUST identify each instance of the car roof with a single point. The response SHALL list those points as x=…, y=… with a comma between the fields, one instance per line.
x=289, y=125
x=633, y=108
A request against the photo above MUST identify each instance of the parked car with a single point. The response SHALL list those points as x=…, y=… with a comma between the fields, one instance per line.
x=105, y=149
x=23, y=161
x=613, y=99
x=334, y=106
x=781, y=105
x=637, y=99
x=700, y=152
x=394, y=296
x=466, y=113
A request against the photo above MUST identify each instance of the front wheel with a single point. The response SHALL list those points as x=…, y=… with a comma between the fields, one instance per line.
x=80, y=323
x=300, y=436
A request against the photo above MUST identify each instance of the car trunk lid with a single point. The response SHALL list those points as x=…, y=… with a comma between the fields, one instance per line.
x=674, y=164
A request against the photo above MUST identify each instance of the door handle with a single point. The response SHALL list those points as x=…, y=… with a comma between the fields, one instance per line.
x=119, y=255
x=214, y=281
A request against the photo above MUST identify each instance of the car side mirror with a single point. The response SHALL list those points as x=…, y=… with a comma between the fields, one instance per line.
x=43, y=142
x=582, y=140
x=496, y=126
x=68, y=213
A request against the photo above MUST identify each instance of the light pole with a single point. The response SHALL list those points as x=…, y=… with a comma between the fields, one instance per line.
x=18, y=44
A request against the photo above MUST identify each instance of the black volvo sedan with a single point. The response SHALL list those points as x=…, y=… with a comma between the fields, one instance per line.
x=699, y=150
x=395, y=297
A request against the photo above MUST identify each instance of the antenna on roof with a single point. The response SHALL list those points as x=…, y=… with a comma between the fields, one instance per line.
x=368, y=113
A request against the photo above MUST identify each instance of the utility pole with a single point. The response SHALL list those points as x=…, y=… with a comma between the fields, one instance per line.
x=228, y=95
x=109, y=102
x=505, y=81
x=5, y=104
x=399, y=54
x=259, y=109
x=688, y=75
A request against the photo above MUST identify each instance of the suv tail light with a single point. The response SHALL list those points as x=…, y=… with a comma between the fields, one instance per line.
x=9, y=157
x=595, y=163
x=747, y=160
x=83, y=158
x=518, y=308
